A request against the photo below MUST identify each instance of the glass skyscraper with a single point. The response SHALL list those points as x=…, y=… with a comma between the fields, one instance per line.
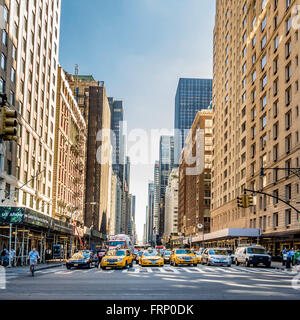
x=192, y=95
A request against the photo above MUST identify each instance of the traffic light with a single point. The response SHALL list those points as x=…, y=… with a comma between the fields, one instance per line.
x=8, y=124
x=250, y=200
x=240, y=202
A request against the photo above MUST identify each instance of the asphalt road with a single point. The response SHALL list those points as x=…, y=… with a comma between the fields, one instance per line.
x=152, y=283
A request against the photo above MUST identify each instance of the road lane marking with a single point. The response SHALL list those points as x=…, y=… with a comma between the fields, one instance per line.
x=162, y=270
x=226, y=270
x=173, y=270
x=198, y=270
x=149, y=270
x=188, y=270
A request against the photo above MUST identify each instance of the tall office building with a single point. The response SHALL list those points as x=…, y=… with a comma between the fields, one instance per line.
x=166, y=164
x=116, y=109
x=150, y=212
x=171, y=204
x=28, y=75
x=192, y=95
x=156, y=208
x=256, y=118
x=93, y=102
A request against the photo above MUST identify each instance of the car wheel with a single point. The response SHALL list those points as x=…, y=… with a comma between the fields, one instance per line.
x=195, y=264
x=69, y=267
x=229, y=265
x=131, y=265
x=125, y=267
x=103, y=268
x=89, y=265
x=236, y=263
x=247, y=263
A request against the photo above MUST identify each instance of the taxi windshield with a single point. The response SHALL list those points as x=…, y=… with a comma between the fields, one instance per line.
x=198, y=253
x=257, y=250
x=183, y=251
x=81, y=255
x=167, y=253
x=116, y=253
x=218, y=252
x=150, y=254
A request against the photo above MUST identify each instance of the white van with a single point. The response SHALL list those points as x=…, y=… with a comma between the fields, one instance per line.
x=252, y=254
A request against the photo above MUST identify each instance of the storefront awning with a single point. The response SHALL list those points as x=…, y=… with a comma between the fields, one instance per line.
x=232, y=233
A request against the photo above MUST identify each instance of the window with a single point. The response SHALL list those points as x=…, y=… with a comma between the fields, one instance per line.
x=288, y=72
x=253, y=76
x=288, y=217
x=263, y=101
x=2, y=86
x=254, y=41
x=276, y=43
x=263, y=42
x=263, y=24
x=288, y=49
x=263, y=62
x=11, y=98
x=288, y=24
x=3, y=61
x=12, y=75
x=275, y=87
x=288, y=96
x=4, y=37
x=275, y=153
x=275, y=109
x=288, y=119
x=263, y=121
x=288, y=143
x=275, y=220
x=275, y=21
x=263, y=82
x=5, y=14
x=275, y=131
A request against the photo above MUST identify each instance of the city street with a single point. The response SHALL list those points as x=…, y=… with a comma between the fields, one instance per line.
x=152, y=283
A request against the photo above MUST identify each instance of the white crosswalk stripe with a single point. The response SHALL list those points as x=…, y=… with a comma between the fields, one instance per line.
x=149, y=270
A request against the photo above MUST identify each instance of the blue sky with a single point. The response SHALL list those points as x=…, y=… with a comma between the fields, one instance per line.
x=139, y=48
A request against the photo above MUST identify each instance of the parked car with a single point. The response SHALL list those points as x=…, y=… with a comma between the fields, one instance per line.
x=252, y=254
x=216, y=256
x=166, y=255
x=83, y=258
x=122, y=258
x=183, y=256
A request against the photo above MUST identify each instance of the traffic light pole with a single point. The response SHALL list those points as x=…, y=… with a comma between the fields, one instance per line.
x=270, y=195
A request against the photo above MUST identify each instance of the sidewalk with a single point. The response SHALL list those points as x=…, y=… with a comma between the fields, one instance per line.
x=42, y=266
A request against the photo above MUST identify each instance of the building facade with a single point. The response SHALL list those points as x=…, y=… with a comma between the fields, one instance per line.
x=69, y=155
x=192, y=95
x=166, y=164
x=156, y=210
x=256, y=119
x=150, y=212
x=195, y=178
x=171, y=204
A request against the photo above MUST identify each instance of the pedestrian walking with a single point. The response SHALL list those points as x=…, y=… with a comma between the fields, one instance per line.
x=292, y=256
x=284, y=256
x=297, y=257
x=289, y=259
x=12, y=254
x=4, y=257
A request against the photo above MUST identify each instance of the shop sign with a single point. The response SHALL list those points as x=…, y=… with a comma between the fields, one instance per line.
x=11, y=215
x=37, y=219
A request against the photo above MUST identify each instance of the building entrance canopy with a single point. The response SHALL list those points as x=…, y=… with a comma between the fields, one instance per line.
x=232, y=233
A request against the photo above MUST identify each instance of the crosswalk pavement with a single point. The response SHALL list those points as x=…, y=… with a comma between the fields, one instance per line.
x=136, y=269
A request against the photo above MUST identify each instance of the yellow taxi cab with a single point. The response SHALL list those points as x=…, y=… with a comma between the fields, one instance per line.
x=118, y=258
x=152, y=258
x=183, y=257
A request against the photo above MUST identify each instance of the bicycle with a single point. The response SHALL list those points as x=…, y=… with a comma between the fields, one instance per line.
x=32, y=268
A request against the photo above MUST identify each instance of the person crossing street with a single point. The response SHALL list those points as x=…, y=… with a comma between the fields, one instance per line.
x=33, y=256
